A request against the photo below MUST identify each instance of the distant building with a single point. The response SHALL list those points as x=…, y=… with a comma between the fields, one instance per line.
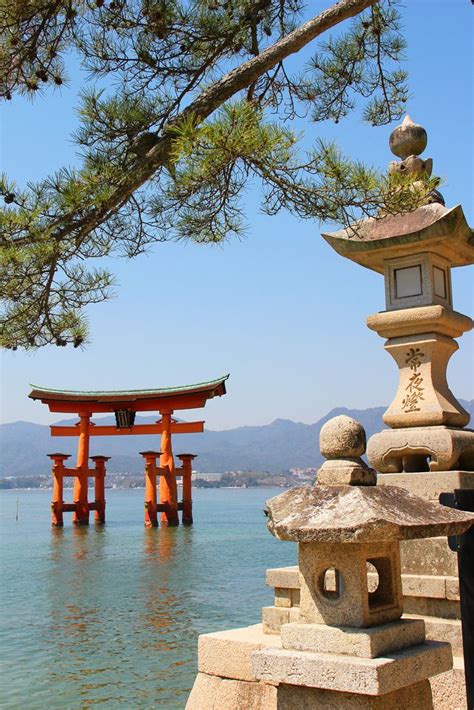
x=206, y=476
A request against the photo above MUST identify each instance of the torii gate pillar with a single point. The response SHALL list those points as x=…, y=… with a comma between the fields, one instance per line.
x=168, y=488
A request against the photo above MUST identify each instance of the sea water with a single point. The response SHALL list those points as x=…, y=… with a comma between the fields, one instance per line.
x=109, y=616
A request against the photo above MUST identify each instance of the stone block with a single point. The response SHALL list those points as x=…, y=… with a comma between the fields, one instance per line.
x=214, y=693
x=449, y=688
x=283, y=577
x=431, y=556
x=423, y=401
x=407, y=448
x=295, y=597
x=432, y=586
x=452, y=588
x=364, y=643
x=428, y=484
x=374, y=676
x=291, y=697
x=341, y=472
x=283, y=597
x=448, y=630
x=442, y=608
x=273, y=618
x=227, y=653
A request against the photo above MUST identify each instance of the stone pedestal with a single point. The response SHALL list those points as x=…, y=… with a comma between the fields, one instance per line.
x=342, y=643
x=420, y=591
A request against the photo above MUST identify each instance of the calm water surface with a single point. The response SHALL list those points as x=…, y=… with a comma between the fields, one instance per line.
x=110, y=616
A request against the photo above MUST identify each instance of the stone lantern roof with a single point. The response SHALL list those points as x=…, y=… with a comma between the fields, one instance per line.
x=352, y=513
x=431, y=228
x=358, y=511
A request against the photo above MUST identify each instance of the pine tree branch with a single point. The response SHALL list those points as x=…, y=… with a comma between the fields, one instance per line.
x=203, y=106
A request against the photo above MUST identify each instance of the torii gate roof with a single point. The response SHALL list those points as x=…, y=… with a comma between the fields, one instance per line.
x=184, y=397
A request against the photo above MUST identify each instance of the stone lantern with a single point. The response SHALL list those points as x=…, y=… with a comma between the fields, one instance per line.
x=350, y=648
x=416, y=252
x=343, y=644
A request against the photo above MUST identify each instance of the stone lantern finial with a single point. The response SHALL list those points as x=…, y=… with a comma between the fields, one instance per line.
x=408, y=139
x=342, y=442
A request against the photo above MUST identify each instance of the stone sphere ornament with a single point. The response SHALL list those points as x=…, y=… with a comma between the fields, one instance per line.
x=342, y=438
x=408, y=139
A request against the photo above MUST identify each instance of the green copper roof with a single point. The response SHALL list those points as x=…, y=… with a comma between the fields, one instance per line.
x=214, y=387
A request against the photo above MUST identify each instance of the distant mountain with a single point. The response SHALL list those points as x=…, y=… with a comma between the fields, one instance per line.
x=274, y=447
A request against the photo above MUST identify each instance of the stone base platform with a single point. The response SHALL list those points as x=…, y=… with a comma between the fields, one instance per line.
x=372, y=642
x=351, y=674
x=227, y=653
x=423, y=593
x=214, y=693
x=211, y=692
x=227, y=677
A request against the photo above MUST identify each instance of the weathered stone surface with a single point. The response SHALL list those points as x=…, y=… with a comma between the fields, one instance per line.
x=292, y=697
x=368, y=643
x=428, y=485
x=452, y=588
x=435, y=318
x=214, y=693
x=430, y=556
x=342, y=472
x=424, y=586
x=374, y=676
x=273, y=618
x=346, y=600
x=283, y=577
x=227, y=653
x=283, y=597
x=449, y=688
x=448, y=449
x=342, y=437
x=423, y=398
x=408, y=138
x=431, y=228
x=442, y=608
x=359, y=514
x=448, y=630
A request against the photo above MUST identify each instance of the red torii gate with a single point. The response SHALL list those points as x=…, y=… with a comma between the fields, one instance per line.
x=125, y=405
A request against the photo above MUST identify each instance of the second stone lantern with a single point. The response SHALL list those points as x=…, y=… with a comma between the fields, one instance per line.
x=416, y=252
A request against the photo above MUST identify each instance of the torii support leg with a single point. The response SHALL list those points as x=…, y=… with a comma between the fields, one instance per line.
x=187, y=459
x=168, y=488
x=99, y=485
x=151, y=517
x=81, y=513
x=57, y=502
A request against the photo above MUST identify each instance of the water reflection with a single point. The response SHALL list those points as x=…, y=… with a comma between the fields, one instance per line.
x=161, y=604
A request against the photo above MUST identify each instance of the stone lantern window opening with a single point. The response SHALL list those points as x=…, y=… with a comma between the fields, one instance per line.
x=439, y=282
x=383, y=596
x=373, y=579
x=331, y=583
x=418, y=280
x=408, y=281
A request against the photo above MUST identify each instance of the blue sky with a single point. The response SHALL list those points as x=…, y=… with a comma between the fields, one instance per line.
x=279, y=310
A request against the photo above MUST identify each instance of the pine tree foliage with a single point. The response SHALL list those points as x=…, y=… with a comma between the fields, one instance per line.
x=189, y=102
